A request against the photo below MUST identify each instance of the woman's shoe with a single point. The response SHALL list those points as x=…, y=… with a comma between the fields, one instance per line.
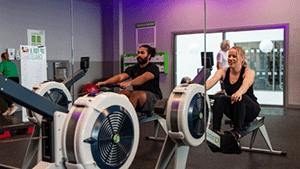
x=234, y=133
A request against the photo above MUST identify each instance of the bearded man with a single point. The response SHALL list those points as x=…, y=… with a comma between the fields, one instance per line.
x=144, y=80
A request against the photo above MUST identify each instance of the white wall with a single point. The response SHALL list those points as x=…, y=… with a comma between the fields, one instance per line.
x=55, y=18
x=177, y=15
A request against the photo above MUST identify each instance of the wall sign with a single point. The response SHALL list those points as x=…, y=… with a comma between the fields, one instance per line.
x=33, y=68
x=35, y=37
x=145, y=34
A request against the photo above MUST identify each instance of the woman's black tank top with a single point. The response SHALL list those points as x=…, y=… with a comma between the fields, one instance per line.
x=232, y=88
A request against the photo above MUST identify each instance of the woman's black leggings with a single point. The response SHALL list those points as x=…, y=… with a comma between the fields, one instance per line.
x=15, y=79
x=239, y=112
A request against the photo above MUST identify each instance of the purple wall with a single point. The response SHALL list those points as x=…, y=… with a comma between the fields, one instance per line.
x=178, y=15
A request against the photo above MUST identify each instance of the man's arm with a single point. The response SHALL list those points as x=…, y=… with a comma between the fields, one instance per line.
x=115, y=79
x=138, y=81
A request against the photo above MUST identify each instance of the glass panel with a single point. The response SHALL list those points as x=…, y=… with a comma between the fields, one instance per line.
x=188, y=58
x=268, y=65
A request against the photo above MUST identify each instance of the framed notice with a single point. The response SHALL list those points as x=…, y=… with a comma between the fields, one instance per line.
x=145, y=34
x=35, y=37
x=33, y=68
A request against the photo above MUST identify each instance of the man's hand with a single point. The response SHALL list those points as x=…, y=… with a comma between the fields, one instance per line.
x=99, y=83
x=124, y=85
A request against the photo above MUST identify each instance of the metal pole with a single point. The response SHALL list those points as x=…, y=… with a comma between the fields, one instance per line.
x=120, y=35
x=273, y=71
x=72, y=47
x=205, y=92
x=280, y=69
x=205, y=54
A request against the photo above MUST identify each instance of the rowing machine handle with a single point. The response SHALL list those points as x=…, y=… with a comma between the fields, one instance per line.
x=218, y=96
x=110, y=85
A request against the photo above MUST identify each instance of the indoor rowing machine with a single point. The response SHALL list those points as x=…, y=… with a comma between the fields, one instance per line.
x=100, y=131
x=188, y=124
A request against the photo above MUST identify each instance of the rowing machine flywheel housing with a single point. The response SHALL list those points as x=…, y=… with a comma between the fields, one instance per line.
x=99, y=131
x=186, y=116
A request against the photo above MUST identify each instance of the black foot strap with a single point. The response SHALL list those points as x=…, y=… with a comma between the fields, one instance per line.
x=229, y=145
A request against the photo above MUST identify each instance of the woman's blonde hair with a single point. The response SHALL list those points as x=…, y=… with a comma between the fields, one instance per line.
x=241, y=53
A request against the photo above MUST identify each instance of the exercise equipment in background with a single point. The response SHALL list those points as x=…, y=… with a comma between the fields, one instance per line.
x=89, y=88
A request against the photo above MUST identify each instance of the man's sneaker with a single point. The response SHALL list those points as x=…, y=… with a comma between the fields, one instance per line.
x=13, y=110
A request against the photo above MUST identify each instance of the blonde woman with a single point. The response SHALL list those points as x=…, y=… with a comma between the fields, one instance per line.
x=242, y=106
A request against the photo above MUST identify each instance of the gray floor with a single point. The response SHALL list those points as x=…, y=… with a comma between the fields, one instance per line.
x=282, y=125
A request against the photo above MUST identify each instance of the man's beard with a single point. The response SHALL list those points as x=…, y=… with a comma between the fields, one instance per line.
x=142, y=61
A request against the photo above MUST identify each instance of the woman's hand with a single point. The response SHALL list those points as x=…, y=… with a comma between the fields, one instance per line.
x=124, y=85
x=236, y=97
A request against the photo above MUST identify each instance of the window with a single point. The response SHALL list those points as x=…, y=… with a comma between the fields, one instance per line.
x=268, y=65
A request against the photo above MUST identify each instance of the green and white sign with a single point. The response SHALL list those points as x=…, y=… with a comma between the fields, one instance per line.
x=36, y=37
x=145, y=25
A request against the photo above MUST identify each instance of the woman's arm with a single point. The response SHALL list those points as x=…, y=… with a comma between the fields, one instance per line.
x=247, y=82
x=217, y=76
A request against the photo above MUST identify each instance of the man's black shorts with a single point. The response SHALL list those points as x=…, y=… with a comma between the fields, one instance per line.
x=151, y=99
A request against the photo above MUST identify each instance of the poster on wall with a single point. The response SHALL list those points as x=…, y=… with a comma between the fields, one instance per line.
x=11, y=53
x=145, y=34
x=35, y=37
x=33, y=68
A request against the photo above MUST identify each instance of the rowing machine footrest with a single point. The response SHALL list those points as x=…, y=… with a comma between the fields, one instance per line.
x=228, y=145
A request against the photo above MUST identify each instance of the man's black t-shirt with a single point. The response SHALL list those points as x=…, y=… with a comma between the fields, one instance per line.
x=151, y=85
